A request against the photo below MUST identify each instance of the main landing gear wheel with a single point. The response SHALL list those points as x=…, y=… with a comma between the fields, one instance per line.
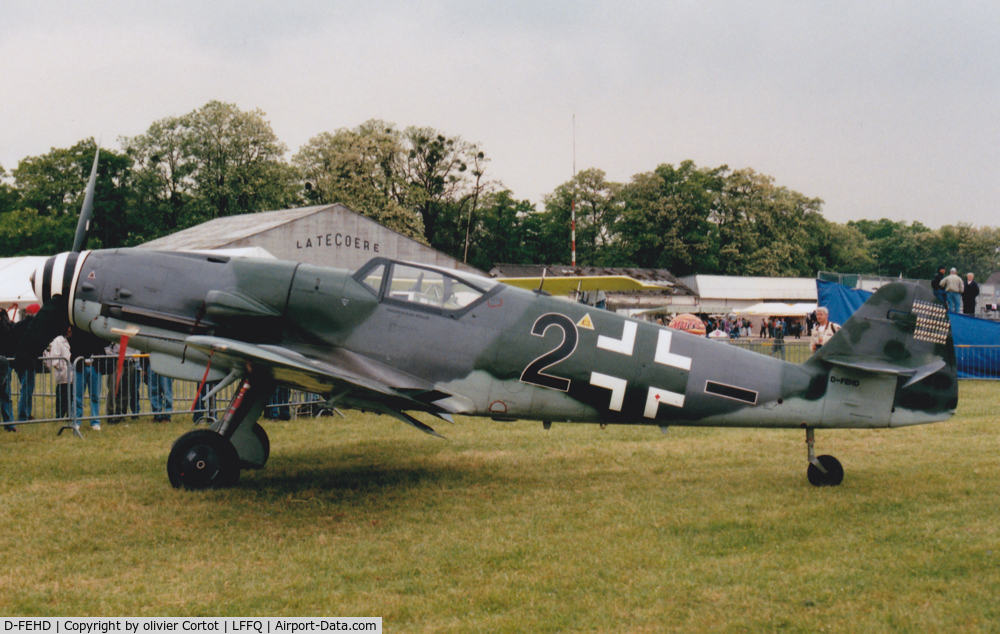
x=203, y=459
x=823, y=471
x=834, y=473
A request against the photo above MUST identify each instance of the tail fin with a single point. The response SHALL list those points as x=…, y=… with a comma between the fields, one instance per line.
x=902, y=336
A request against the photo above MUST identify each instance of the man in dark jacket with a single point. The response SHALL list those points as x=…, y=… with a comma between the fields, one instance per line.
x=83, y=347
x=7, y=349
x=936, y=286
x=969, y=295
x=27, y=377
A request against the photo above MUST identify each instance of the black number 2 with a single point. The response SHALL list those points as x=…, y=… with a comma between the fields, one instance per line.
x=535, y=372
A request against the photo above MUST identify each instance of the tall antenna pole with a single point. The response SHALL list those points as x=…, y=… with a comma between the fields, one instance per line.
x=572, y=200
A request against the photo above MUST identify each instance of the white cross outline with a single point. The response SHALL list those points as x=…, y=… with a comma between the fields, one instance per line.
x=616, y=385
x=623, y=345
x=665, y=357
x=657, y=396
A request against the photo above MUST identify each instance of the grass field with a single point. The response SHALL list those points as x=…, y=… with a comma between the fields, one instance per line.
x=508, y=527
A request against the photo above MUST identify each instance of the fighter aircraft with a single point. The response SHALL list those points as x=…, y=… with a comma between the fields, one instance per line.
x=400, y=338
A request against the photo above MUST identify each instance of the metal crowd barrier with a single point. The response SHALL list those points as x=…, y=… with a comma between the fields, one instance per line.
x=140, y=394
x=793, y=350
x=978, y=362
x=974, y=362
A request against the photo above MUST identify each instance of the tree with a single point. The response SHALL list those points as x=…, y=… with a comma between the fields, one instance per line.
x=51, y=183
x=899, y=248
x=215, y=161
x=499, y=232
x=52, y=186
x=438, y=185
x=161, y=184
x=25, y=232
x=837, y=247
x=363, y=169
x=9, y=197
x=598, y=204
x=236, y=159
x=967, y=248
x=762, y=227
x=666, y=219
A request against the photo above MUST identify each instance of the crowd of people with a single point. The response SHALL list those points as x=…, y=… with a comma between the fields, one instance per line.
x=960, y=296
x=79, y=363
x=79, y=359
x=735, y=327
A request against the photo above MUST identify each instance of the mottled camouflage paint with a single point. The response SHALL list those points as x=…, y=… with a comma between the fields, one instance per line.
x=323, y=330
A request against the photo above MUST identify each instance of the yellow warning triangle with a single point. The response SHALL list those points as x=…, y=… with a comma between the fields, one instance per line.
x=585, y=322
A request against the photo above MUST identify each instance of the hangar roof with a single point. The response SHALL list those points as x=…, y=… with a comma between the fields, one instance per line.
x=223, y=231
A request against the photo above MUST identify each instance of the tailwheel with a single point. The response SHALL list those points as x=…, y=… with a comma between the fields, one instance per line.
x=203, y=459
x=823, y=471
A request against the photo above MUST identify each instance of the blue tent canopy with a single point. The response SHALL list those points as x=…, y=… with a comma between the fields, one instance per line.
x=977, y=341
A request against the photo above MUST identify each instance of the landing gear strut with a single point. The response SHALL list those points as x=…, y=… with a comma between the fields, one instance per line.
x=823, y=471
x=213, y=458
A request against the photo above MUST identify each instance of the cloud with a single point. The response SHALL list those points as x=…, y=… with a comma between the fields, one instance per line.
x=879, y=109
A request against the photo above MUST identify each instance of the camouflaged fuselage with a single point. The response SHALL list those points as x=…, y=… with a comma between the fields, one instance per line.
x=509, y=353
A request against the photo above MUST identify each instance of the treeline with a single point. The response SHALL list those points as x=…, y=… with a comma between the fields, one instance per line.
x=219, y=161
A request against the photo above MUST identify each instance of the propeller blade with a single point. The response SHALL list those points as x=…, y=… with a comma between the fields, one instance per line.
x=83, y=226
x=50, y=322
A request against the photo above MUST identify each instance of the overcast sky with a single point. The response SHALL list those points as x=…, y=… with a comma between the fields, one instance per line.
x=882, y=109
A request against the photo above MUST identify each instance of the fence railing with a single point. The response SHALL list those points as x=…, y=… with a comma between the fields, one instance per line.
x=792, y=350
x=978, y=362
x=58, y=391
x=974, y=362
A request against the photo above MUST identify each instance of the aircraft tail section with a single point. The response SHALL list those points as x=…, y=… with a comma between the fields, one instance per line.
x=893, y=362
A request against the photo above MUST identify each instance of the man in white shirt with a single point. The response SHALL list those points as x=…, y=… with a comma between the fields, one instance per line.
x=824, y=329
x=953, y=287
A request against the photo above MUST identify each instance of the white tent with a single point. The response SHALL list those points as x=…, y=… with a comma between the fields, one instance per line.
x=14, y=285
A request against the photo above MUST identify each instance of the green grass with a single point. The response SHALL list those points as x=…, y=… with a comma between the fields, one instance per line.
x=508, y=527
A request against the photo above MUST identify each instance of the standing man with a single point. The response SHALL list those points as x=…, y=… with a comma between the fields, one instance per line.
x=953, y=287
x=936, y=286
x=84, y=346
x=824, y=329
x=970, y=294
x=161, y=395
x=27, y=377
x=779, y=338
x=7, y=349
x=57, y=358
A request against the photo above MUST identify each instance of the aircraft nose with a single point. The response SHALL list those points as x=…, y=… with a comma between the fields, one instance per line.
x=37, y=278
x=55, y=275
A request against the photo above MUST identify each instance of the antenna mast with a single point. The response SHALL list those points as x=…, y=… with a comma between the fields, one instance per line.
x=572, y=200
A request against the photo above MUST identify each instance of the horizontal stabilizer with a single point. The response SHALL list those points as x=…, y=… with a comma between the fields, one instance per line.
x=882, y=367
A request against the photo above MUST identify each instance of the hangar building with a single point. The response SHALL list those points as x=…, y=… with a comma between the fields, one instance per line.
x=326, y=235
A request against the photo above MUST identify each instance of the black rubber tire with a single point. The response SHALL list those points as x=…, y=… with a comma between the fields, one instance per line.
x=261, y=435
x=834, y=472
x=203, y=459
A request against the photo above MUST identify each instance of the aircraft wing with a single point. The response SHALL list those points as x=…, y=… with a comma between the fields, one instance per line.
x=357, y=380
x=568, y=284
